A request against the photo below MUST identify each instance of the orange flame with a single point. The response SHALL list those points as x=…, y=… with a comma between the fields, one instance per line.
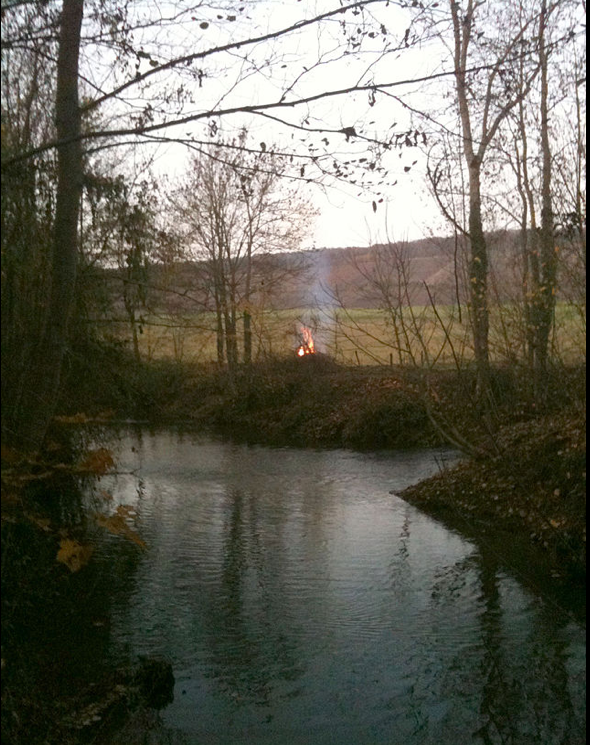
x=308, y=346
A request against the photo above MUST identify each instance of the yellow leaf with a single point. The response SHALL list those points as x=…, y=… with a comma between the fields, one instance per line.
x=126, y=510
x=117, y=525
x=73, y=554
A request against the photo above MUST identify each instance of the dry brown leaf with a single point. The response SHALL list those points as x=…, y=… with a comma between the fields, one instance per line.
x=79, y=418
x=98, y=461
x=10, y=455
x=117, y=525
x=73, y=554
x=41, y=522
x=105, y=415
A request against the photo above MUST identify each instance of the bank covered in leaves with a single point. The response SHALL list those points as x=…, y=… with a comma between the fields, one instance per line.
x=532, y=490
x=524, y=470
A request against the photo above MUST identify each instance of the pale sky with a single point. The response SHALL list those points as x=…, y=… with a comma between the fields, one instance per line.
x=283, y=81
x=348, y=220
x=306, y=63
x=346, y=216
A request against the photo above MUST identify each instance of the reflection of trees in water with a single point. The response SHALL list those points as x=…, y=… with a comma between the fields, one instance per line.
x=549, y=703
x=500, y=694
x=250, y=651
x=525, y=693
x=516, y=689
x=399, y=570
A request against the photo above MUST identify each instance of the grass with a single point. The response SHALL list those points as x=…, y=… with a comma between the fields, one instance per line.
x=362, y=336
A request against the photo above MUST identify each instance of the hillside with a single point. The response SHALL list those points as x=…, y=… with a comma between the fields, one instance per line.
x=353, y=276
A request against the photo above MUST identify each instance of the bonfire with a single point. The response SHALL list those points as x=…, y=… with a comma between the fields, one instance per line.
x=307, y=347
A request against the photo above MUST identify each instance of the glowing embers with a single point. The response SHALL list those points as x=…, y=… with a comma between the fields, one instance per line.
x=307, y=347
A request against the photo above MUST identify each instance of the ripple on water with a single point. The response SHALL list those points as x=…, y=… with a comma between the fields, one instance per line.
x=302, y=603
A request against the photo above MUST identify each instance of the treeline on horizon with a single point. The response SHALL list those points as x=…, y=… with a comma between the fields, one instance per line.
x=337, y=276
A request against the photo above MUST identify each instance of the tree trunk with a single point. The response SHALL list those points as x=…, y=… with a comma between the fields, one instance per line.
x=219, y=338
x=545, y=294
x=478, y=280
x=478, y=266
x=231, y=339
x=218, y=295
x=43, y=378
x=135, y=337
x=247, y=337
x=247, y=316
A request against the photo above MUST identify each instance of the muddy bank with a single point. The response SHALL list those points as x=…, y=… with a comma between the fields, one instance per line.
x=309, y=401
x=313, y=402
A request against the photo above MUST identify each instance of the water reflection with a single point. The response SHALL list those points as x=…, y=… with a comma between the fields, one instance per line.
x=514, y=678
x=247, y=650
x=302, y=603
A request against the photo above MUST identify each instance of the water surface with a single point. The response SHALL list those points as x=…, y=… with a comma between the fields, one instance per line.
x=302, y=602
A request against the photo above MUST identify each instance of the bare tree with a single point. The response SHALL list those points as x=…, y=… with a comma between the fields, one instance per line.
x=43, y=377
x=536, y=138
x=490, y=105
x=544, y=274
x=235, y=212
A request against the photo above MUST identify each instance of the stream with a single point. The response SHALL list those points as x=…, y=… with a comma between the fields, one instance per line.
x=300, y=601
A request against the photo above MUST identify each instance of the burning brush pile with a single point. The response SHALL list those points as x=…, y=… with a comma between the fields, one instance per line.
x=307, y=345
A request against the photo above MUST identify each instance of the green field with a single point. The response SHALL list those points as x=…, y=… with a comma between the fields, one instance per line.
x=364, y=336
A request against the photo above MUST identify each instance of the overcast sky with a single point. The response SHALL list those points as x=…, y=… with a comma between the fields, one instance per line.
x=345, y=214
x=305, y=63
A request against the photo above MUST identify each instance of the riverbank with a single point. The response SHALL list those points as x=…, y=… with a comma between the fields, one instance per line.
x=534, y=488
x=526, y=474
x=527, y=485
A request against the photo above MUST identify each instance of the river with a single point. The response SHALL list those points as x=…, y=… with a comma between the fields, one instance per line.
x=301, y=601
